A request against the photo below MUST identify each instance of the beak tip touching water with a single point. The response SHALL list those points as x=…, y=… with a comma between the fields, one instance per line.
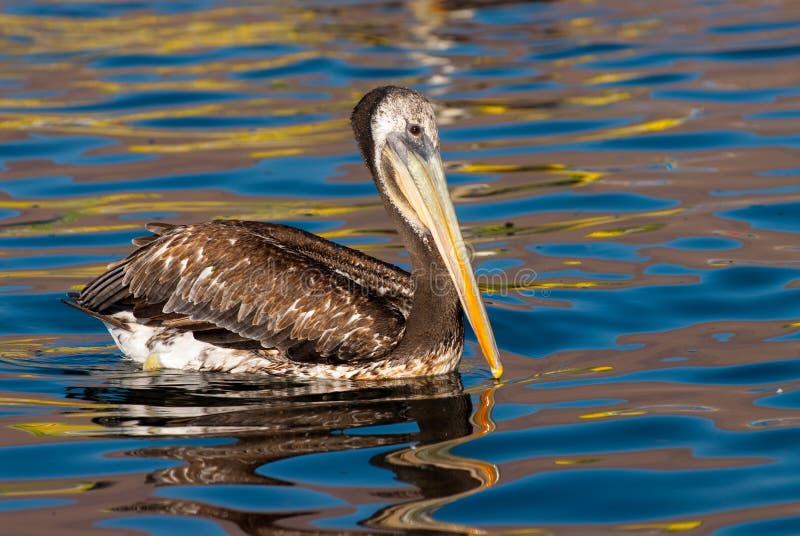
x=497, y=371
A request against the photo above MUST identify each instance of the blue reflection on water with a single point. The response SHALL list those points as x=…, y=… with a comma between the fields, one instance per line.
x=782, y=526
x=591, y=250
x=564, y=202
x=252, y=498
x=84, y=458
x=775, y=217
x=705, y=243
x=346, y=468
x=62, y=150
x=14, y=505
x=717, y=295
x=750, y=374
x=601, y=493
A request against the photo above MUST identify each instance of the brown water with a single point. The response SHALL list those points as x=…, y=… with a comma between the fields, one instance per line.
x=627, y=173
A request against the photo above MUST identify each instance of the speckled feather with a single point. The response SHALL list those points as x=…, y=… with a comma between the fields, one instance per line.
x=232, y=281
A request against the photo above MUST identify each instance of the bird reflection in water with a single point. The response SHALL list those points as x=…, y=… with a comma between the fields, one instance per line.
x=270, y=420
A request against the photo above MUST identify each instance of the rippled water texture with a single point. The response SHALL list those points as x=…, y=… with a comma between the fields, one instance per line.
x=627, y=172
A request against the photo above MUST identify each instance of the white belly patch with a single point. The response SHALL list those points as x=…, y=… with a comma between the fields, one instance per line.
x=156, y=347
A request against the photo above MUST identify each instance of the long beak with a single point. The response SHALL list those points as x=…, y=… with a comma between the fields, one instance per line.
x=421, y=180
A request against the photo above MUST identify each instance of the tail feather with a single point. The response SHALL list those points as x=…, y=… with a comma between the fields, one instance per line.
x=101, y=292
x=105, y=318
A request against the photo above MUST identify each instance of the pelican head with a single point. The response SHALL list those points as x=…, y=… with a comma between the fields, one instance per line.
x=396, y=130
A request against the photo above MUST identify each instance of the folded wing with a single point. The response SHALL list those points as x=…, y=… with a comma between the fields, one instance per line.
x=257, y=285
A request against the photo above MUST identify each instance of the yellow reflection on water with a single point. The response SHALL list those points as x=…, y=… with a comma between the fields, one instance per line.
x=35, y=489
x=680, y=526
x=621, y=231
x=307, y=134
x=161, y=33
x=647, y=127
x=605, y=99
x=614, y=413
x=60, y=429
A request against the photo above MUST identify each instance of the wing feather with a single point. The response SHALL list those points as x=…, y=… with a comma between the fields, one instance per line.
x=234, y=282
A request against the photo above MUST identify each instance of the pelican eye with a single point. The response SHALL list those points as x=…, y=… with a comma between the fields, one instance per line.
x=415, y=130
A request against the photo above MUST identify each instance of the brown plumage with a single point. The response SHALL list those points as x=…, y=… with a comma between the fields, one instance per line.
x=197, y=278
x=250, y=296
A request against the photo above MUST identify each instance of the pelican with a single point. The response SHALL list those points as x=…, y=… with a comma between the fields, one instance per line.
x=245, y=296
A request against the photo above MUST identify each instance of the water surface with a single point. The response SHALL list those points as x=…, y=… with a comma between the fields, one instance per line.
x=627, y=174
